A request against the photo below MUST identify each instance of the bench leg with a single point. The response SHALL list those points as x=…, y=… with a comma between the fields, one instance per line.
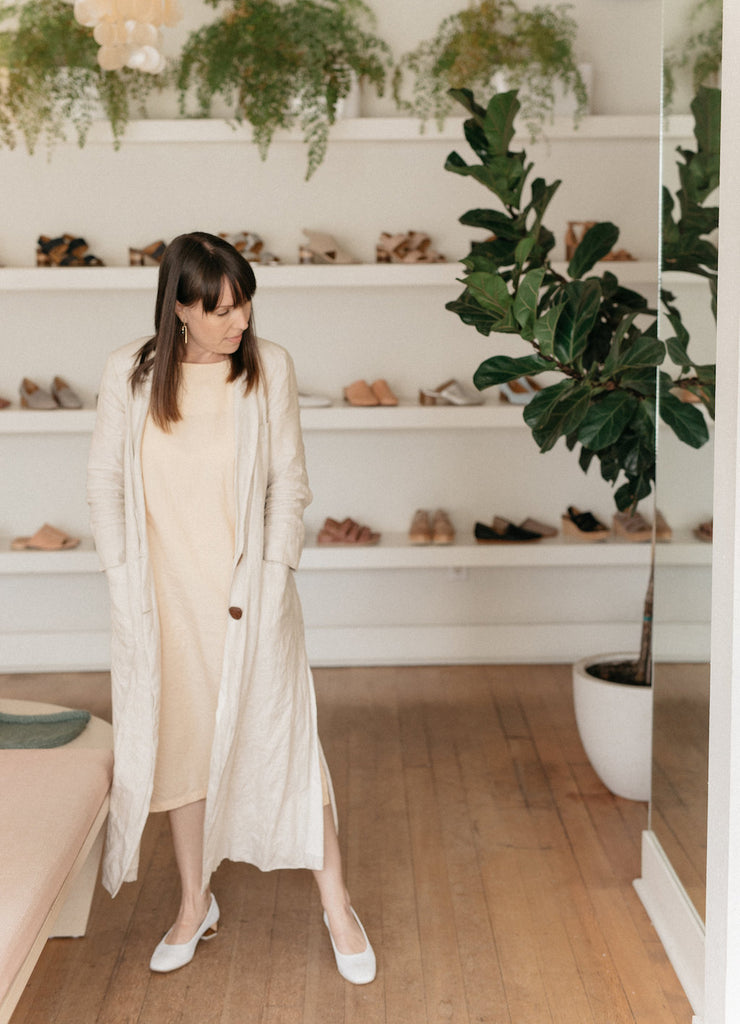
x=73, y=917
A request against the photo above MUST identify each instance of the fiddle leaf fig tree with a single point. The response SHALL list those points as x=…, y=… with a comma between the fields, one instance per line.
x=598, y=336
x=688, y=226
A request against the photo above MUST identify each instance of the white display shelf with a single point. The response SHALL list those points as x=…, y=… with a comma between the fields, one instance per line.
x=288, y=275
x=15, y=420
x=82, y=559
x=375, y=129
x=395, y=552
x=405, y=416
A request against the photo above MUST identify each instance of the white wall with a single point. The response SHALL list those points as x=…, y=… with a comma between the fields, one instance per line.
x=146, y=191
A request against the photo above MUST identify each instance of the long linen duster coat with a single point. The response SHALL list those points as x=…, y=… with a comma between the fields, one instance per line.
x=264, y=803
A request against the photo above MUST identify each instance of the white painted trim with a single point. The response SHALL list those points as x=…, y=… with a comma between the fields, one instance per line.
x=674, y=917
x=541, y=643
x=722, y=979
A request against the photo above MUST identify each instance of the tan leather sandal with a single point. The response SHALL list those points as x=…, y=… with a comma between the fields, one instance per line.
x=322, y=248
x=46, y=538
x=348, y=533
x=381, y=389
x=633, y=527
x=359, y=392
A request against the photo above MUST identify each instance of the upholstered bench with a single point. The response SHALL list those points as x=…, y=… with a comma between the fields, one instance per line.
x=53, y=805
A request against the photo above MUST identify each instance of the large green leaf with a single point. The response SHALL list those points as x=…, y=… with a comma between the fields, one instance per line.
x=606, y=420
x=634, y=490
x=498, y=123
x=594, y=246
x=646, y=351
x=471, y=312
x=491, y=220
x=490, y=291
x=526, y=299
x=545, y=327
x=577, y=319
x=687, y=423
x=557, y=412
x=500, y=369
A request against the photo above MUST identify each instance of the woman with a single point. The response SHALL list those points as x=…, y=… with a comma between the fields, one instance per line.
x=197, y=487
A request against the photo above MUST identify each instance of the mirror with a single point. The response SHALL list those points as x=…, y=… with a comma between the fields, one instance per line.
x=678, y=810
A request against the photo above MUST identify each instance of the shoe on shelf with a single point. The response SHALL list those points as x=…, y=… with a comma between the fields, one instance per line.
x=35, y=397
x=251, y=246
x=443, y=532
x=535, y=526
x=663, y=532
x=358, y=968
x=63, y=394
x=360, y=393
x=150, y=256
x=4, y=402
x=421, y=530
x=704, y=531
x=632, y=527
x=583, y=526
x=503, y=531
x=408, y=247
x=452, y=392
x=520, y=391
x=381, y=389
x=167, y=957
x=306, y=401
x=64, y=251
x=46, y=538
x=322, y=248
x=346, y=533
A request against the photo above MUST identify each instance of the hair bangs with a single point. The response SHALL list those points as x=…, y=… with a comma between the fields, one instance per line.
x=208, y=267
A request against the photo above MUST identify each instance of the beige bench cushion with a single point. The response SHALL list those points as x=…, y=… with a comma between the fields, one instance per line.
x=48, y=801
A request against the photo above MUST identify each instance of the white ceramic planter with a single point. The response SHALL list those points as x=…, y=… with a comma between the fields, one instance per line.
x=615, y=723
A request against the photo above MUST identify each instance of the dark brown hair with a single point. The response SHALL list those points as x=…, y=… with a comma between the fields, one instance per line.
x=193, y=269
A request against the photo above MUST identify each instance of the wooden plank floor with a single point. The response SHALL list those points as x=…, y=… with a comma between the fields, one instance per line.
x=492, y=871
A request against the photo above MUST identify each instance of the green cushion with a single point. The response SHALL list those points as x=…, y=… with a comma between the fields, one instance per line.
x=54, y=730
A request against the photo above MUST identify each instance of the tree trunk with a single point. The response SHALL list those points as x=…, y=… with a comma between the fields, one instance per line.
x=643, y=669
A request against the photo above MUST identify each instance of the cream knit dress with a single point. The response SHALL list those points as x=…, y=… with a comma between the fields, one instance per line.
x=189, y=488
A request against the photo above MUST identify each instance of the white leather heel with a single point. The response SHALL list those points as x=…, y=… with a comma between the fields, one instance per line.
x=168, y=957
x=359, y=968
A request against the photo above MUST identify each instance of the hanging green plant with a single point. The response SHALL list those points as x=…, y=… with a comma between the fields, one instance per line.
x=282, y=63
x=699, y=54
x=50, y=79
x=534, y=49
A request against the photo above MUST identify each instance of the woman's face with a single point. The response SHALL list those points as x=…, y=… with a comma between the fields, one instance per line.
x=214, y=336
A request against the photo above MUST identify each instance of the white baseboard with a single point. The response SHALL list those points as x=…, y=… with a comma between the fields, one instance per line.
x=361, y=645
x=675, y=919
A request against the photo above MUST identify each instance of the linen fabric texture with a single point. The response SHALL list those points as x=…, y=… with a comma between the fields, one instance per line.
x=264, y=801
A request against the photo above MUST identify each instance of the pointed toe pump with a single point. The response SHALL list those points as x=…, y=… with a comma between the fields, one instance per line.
x=167, y=957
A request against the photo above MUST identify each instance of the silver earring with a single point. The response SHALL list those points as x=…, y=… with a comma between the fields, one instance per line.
x=184, y=333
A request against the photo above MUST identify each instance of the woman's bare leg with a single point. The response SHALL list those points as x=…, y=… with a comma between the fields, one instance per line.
x=186, y=824
x=334, y=896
